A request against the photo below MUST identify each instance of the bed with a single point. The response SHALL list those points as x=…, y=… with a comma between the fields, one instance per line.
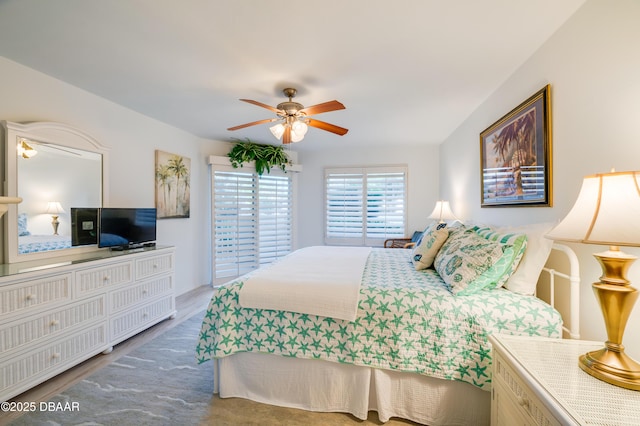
x=38, y=243
x=30, y=243
x=417, y=348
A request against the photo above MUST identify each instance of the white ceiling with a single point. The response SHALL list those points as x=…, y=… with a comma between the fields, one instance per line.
x=408, y=71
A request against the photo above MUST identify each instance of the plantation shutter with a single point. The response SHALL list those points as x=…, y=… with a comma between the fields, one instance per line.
x=344, y=206
x=386, y=210
x=252, y=221
x=275, y=199
x=235, y=223
x=365, y=206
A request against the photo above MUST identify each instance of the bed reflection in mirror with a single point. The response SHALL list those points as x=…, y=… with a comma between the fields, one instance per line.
x=53, y=179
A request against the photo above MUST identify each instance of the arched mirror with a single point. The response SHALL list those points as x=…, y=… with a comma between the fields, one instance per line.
x=58, y=171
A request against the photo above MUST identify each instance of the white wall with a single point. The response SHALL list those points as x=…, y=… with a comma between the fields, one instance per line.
x=592, y=64
x=422, y=162
x=28, y=95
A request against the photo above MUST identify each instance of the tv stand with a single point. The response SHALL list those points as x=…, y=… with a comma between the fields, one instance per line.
x=76, y=307
x=133, y=247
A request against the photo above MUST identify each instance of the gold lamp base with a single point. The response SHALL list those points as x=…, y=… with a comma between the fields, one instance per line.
x=616, y=368
x=616, y=297
x=55, y=224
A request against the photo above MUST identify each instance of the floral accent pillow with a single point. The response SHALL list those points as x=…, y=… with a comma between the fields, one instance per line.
x=465, y=258
x=425, y=253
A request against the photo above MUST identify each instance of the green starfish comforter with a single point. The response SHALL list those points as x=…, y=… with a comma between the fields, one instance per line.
x=407, y=320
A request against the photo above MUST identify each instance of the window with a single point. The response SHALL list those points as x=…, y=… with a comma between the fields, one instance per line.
x=365, y=206
x=252, y=221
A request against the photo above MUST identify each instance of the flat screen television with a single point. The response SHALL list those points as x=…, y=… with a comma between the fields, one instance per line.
x=125, y=228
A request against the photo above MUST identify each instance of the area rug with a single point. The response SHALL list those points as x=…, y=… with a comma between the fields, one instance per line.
x=159, y=383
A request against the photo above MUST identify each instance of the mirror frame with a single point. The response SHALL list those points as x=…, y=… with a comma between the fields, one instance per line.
x=45, y=132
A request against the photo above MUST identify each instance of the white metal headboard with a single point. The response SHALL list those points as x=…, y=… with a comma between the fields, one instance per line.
x=573, y=278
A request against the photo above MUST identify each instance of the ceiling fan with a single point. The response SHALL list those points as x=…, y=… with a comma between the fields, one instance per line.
x=294, y=118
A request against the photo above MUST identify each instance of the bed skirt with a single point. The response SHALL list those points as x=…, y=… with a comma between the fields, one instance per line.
x=316, y=385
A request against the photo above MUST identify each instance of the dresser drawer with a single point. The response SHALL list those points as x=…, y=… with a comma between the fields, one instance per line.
x=35, y=366
x=50, y=323
x=37, y=293
x=138, y=293
x=150, y=266
x=512, y=393
x=137, y=319
x=103, y=277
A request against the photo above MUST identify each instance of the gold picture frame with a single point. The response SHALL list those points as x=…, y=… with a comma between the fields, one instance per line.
x=515, y=156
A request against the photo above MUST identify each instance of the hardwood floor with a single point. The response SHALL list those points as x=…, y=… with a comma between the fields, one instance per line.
x=187, y=304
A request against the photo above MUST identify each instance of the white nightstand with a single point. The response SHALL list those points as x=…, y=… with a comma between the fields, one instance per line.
x=537, y=381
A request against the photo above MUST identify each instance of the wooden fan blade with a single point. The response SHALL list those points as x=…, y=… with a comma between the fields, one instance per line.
x=286, y=137
x=324, y=107
x=260, y=104
x=327, y=126
x=253, y=123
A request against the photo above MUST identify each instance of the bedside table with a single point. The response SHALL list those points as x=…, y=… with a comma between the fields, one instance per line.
x=537, y=381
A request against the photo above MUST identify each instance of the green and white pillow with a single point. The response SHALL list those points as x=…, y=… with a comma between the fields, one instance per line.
x=514, y=244
x=425, y=252
x=465, y=261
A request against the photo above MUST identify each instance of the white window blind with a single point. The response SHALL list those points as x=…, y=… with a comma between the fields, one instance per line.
x=274, y=207
x=252, y=221
x=365, y=206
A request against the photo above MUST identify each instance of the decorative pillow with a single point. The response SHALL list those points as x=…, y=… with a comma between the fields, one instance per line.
x=525, y=279
x=465, y=258
x=425, y=253
x=515, y=245
x=22, y=225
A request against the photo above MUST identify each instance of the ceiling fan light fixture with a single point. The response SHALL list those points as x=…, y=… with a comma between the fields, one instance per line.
x=277, y=130
x=292, y=117
x=299, y=127
x=25, y=150
x=296, y=137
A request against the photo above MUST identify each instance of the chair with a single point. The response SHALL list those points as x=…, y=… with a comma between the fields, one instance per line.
x=403, y=242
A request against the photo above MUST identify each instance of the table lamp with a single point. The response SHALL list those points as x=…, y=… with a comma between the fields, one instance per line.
x=607, y=212
x=442, y=212
x=54, y=208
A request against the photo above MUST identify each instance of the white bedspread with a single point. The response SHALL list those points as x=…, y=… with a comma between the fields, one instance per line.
x=320, y=280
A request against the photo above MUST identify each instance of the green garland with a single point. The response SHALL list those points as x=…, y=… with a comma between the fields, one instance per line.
x=265, y=156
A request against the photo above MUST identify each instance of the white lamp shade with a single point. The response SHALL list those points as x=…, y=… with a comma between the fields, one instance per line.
x=277, y=130
x=54, y=207
x=607, y=211
x=298, y=130
x=442, y=212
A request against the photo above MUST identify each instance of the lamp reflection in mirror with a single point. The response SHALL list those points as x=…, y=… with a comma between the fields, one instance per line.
x=25, y=150
x=442, y=212
x=606, y=213
x=54, y=208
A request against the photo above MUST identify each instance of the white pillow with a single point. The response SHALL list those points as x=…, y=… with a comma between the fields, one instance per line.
x=525, y=278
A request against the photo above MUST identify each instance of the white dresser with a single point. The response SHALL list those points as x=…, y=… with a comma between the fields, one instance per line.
x=537, y=381
x=59, y=312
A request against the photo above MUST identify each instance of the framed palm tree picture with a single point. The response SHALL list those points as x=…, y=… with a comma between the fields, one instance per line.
x=515, y=156
x=172, y=185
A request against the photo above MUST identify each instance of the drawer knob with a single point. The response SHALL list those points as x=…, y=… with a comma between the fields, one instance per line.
x=145, y=314
x=145, y=291
x=523, y=402
x=155, y=266
x=106, y=278
x=31, y=297
x=53, y=323
x=55, y=355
